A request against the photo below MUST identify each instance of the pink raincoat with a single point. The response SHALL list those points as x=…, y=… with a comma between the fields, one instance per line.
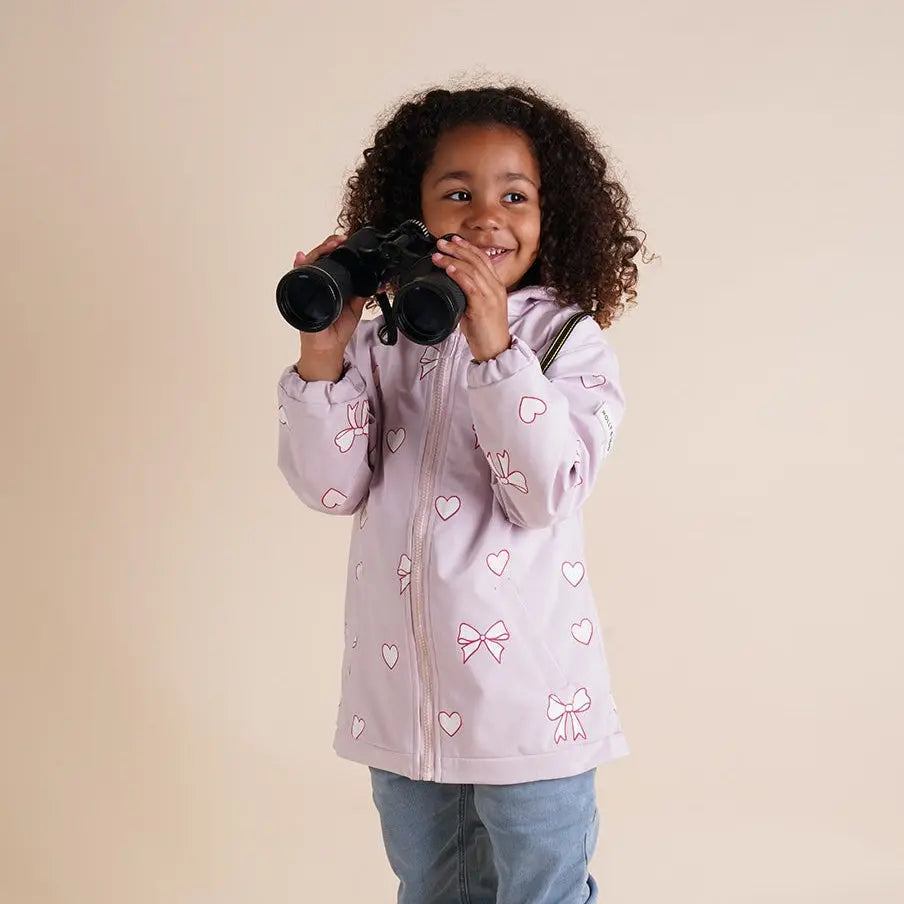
x=473, y=652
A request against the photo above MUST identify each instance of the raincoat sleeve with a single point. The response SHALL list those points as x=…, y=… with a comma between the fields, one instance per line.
x=546, y=436
x=324, y=433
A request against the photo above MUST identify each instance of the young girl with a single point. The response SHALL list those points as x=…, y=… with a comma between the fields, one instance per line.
x=475, y=683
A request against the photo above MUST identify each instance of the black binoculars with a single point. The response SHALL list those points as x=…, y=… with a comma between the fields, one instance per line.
x=427, y=304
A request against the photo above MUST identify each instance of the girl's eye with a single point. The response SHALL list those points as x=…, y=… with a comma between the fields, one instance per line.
x=461, y=194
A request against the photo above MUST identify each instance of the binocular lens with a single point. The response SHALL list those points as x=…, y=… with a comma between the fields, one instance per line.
x=310, y=298
x=429, y=308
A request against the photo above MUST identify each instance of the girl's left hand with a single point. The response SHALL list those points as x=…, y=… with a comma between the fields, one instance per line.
x=485, y=320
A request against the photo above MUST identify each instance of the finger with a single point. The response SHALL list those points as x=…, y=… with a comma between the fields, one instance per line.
x=463, y=274
x=446, y=248
x=325, y=247
x=475, y=263
x=481, y=259
x=467, y=273
x=464, y=250
x=458, y=256
x=329, y=243
x=451, y=265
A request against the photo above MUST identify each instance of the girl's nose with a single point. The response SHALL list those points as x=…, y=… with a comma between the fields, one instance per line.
x=484, y=215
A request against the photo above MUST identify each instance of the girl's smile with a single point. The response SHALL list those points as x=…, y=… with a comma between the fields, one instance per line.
x=483, y=183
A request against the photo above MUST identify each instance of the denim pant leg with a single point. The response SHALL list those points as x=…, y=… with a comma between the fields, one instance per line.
x=543, y=835
x=435, y=843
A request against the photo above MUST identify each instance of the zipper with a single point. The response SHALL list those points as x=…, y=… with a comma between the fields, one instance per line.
x=419, y=549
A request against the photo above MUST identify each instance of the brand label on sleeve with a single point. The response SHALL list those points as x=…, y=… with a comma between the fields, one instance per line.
x=603, y=417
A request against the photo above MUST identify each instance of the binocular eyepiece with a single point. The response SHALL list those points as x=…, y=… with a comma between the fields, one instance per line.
x=427, y=304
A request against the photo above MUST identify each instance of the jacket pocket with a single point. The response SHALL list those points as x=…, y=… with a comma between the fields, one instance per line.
x=538, y=637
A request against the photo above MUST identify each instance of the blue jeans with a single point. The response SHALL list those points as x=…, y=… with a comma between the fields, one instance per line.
x=489, y=844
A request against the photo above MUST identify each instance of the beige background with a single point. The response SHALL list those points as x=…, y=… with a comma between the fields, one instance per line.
x=172, y=615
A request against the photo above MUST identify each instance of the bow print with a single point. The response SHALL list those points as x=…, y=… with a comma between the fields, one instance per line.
x=502, y=468
x=358, y=425
x=404, y=573
x=429, y=361
x=567, y=715
x=470, y=639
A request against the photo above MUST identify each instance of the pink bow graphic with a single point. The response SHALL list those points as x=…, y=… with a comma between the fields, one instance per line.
x=470, y=640
x=502, y=468
x=567, y=715
x=429, y=361
x=358, y=425
x=404, y=573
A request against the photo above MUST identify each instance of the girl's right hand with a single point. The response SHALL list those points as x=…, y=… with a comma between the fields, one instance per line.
x=330, y=344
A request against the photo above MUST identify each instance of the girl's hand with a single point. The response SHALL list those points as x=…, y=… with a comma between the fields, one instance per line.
x=336, y=337
x=485, y=320
x=322, y=353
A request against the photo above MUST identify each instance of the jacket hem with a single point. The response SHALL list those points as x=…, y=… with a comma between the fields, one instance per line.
x=494, y=770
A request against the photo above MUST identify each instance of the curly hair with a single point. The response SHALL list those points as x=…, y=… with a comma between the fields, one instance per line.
x=586, y=246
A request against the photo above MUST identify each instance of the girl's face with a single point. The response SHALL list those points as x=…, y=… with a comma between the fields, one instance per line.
x=484, y=184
